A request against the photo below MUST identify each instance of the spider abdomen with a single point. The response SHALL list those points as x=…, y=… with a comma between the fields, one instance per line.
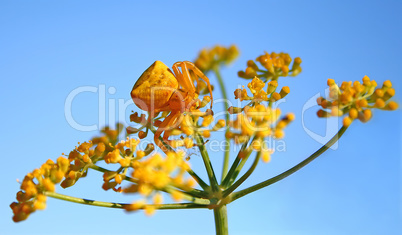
x=154, y=88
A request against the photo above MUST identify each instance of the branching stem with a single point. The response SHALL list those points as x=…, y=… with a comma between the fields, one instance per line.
x=227, y=117
x=292, y=170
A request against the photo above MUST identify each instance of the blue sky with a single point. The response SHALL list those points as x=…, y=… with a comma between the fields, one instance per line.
x=49, y=49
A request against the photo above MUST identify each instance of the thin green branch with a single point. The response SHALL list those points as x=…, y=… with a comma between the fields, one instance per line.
x=201, y=182
x=231, y=172
x=207, y=162
x=84, y=201
x=122, y=205
x=234, y=166
x=239, y=167
x=244, y=177
x=227, y=117
x=292, y=170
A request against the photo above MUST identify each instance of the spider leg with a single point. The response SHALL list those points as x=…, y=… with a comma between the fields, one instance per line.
x=164, y=127
x=184, y=98
x=183, y=77
x=188, y=65
x=159, y=131
x=174, y=122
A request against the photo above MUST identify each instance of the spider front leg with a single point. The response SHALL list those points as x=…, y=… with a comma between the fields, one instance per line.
x=186, y=66
x=185, y=79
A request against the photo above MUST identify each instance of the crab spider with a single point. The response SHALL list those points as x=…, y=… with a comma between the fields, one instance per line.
x=159, y=89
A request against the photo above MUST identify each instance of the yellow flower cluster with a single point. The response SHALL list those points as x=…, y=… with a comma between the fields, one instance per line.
x=274, y=65
x=31, y=197
x=260, y=121
x=257, y=120
x=88, y=153
x=123, y=153
x=209, y=59
x=256, y=87
x=65, y=171
x=149, y=175
x=356, y=99
x=146, y=175
x=154, y=174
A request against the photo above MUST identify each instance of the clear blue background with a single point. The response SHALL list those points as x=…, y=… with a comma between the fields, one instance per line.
x=50, y=48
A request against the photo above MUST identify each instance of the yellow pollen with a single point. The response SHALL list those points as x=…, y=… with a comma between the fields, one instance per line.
x=353, y=113
x=387, y=83
x=118, y=178
x=176, y=195
x=149, y=210
x=330, y=82
x=158, y=199
x=206, y=133
x=347, y=121
x=379, y=103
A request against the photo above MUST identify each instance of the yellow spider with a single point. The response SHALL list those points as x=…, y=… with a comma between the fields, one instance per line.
x=159, y=89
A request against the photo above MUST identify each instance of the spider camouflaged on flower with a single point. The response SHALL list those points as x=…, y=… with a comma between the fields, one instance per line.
x=179, y=120
x=159, y=89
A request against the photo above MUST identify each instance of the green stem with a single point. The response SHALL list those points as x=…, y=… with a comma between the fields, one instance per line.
x=121, y=205
x=227, y=146
x=292, y=170
x=201, y=182
x=207, y=163
x=239, y=167
x=221, y=220
x=232, y=172
x=236, y=166
x=244, y=177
